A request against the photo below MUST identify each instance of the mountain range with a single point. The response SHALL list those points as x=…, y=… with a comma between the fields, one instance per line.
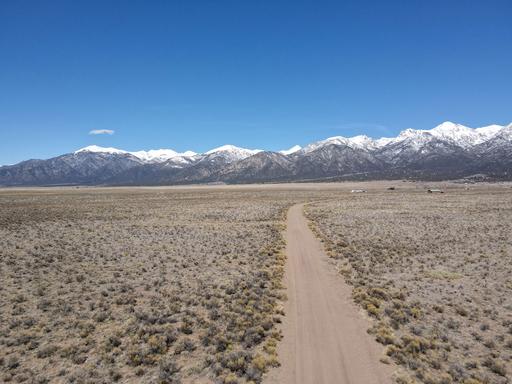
x=448, y=151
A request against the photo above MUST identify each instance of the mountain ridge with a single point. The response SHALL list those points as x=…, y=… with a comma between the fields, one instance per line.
x=446, y=151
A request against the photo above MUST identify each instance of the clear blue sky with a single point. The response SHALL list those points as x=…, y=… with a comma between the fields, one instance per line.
x=261, y=73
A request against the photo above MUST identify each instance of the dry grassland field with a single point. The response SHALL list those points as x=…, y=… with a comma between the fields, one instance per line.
x=139, y=286
x=185, y=285
x=434, y=271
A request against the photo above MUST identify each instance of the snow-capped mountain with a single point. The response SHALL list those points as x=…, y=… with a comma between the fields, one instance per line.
x=502, y=139
x=232, y=153
x=359, y=142
x=291, y=150
x=446, y=151
x=98, y=149
x=161, y=155
x=488, y=131
x=454, y=133
x=151, y=156
x=457, y=134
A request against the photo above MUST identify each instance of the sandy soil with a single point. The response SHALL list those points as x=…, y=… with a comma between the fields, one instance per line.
x=325, y=339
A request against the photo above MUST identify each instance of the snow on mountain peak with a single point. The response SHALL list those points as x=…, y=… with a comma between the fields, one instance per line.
x=454, y=132
x=355, y=142
x=447, y=131
x=223, y=148
x=161, y=155
x=151, y=156
x=489, y=130
x=409, y=132
x=449, y=126
x=155, y=154
x=416, y=138
x=98, y=149
x=226, y=148
x=505, y=132
x=465, y=136
x=362, y=141
x=291, y=150
x=383, y=141
x=336, y=140
x=232, y=152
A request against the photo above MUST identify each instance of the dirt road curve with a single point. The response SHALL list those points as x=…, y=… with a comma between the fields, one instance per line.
x=325, y=339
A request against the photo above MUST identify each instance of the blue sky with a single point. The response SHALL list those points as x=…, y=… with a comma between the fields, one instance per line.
x=265, y=74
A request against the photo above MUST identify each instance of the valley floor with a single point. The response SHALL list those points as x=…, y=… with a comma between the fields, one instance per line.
x=189, y=284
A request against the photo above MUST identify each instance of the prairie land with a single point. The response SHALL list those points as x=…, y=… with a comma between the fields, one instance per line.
x=433, y=271
x=185, y=285
x=136, y=285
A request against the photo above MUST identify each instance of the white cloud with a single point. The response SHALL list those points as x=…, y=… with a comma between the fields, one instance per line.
x=101, y=132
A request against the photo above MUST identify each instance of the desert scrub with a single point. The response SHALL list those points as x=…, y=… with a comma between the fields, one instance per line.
x=141, y=285
x=432, y=273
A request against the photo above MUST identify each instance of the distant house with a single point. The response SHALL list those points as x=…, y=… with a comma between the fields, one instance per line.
x=358, y=191
x=434, y=191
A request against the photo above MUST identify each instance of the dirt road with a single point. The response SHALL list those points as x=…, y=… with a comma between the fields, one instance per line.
x=325, y=339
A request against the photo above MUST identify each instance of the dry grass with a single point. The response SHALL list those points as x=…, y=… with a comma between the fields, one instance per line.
x=184, y=285
x=434, y=272
x=152, y=286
